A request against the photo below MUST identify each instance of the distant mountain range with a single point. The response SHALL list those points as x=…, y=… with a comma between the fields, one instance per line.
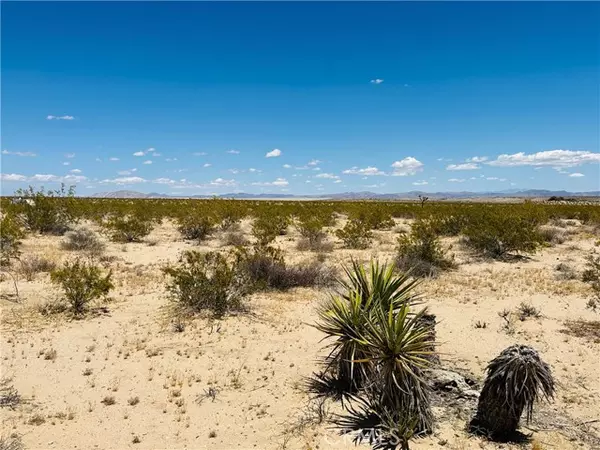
x=513, y=193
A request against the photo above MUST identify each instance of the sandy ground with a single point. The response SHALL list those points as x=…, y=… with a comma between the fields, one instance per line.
x=238, y=383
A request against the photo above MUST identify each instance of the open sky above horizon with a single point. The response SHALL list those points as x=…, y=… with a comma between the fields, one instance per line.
x=301, y=98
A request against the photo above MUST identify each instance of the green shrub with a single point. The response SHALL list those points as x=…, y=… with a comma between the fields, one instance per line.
x=498, y=234
x=196, y=226
x=420, y=251
x=83, y=239
x=234, y=238
x=265, y=228
x=266, y=269
x=355, y=234
x=82, y=283
x=47, y=211
x=128, y=228
x=10, y=240
x=313, y=235
x=374, y=216
x=206, y=282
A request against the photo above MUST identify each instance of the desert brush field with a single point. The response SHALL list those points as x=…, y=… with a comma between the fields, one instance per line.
x=224, y=324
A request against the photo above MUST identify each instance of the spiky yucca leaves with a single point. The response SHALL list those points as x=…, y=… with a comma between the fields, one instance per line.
x=516, y=379
x=380, y=284
x=398, y=346
x=345, y=316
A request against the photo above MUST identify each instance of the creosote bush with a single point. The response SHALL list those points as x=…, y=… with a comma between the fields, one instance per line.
x=420, y=251
x=206, y=282
x=265, y=228
x=266, y=268
x=196, y=226
x=234, y=238
x=48, y=212
x=497, y=235
x=313, y=235
x=355, y=234
x=592, y=275
x=130, y=228
x=10, y=239
x=82, y=282
x=84, y=240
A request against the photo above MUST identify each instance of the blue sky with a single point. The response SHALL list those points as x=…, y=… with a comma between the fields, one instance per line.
x=304, y=98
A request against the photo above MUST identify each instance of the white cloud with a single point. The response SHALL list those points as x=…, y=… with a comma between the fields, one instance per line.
x=234, y=171
x=317, y=169
x=75, y=171
x=477, y=159
x=314, y=162
x=329, y=176
x=555, y=158
x=277, y=182
x=380, y=185
x=156, y=154
x=113, y=159
x=125, y=180
x=287, y=166
x=464, y=166
x=98, y=160
x=170, y=159
x=377, y=81
x=163, y=181
x=273, y=153
x=12, y=177
x=456, y=180
x=140, y=153
x=420, y=183
x=233, y=152
x=207, y=165
x=253, y=170
x=495, y=179
x=407, y=166
x=50, y=117
x=147, y=162
x=577, y=175
x=69, y=155
x=66, y=163
x=337, y=181
x=199, y=154
x=29, y=154
x=222, y=182
x=368, y=171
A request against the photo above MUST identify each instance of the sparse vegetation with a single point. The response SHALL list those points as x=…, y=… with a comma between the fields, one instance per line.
x=83, y=239
x=30, y=265
x=82, y=282
x=48, y=212
x=11, y=234
x=526, y=311
x=196, y=226
x=591, y=275
x=355, y=234
x=206, y=282
x=420, y=251
x=128, y=228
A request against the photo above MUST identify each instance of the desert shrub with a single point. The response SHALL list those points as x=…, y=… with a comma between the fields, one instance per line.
x=565, y=272
x=128, y=228
x=496, y=234
x=230, y=218
x=82, y=282
x=206, y=282
x=316, y=245
x=355, y=234
x=311, y=229
x=449, y=225
x=420, y=251
x=234, y=238
x=592, y=275
x=553, y=235
x=374, y=216
x=10, y=239
x=32, y=264
x=83, y=239
x=265, y=228
x=47, y=211
x=196, y=226
x=266, y=268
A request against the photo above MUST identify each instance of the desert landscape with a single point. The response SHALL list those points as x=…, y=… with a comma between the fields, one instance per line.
x=139, y=366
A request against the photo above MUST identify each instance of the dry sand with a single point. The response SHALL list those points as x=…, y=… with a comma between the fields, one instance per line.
x=238, y=383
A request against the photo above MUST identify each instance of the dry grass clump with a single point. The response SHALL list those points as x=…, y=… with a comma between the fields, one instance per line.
x=33, y=264
x=234, y=238
x=587, y=329
x=526, y=311
x=9, y=396
x=565, y=272
x=83, y=239
x=315, y=245
x=11, y=442
x=553, y=235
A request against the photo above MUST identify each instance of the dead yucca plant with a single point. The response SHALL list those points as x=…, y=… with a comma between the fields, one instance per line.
x=516, y=379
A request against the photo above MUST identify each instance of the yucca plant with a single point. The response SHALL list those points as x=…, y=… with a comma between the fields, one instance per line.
x=516, y=379
x=344, y=316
